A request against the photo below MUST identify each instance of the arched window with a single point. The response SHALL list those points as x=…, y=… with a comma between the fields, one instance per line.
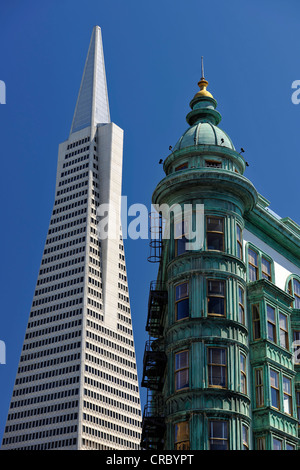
x=293, y=288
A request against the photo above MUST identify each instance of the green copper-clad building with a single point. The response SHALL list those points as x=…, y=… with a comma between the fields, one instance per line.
x=222, y=363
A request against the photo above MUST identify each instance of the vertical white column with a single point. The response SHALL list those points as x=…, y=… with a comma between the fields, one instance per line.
x=110, y=152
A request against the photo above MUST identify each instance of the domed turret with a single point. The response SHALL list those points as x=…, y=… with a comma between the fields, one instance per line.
x=203, y=120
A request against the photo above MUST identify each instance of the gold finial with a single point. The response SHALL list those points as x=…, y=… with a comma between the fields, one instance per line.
x=203, y=84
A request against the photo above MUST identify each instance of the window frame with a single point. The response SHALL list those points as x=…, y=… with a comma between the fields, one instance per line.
x=212, y=163
x=181, y=445
x=259, y=271
x=239, y=242
x=265, y=274
x=211, y=365
x=273, y=324
x=181, y=370
x=222, y=233
x=254, y=266
x=261, y=443
x=277, y=390
x=224, y=297
x=245, y=443
x=177, y=301
x=278, y=440
x=241, y=309
x=259, y=387
x=291, y=290
x=256, y=320
x=214, y=438
x=182, y=237
x=289, y=395
x=243, y=373
x=285, y=330
x=298, y=406
x=182, y=166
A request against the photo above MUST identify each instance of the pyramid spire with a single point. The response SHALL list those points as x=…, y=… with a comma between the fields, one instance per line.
x=92, y=105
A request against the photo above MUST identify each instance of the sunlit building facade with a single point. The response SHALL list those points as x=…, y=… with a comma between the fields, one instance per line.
x=221, y=365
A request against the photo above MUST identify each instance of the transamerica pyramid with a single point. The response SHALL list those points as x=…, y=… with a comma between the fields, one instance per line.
x=76, y=386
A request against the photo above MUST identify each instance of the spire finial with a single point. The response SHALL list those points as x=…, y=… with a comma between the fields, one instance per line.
x=203, y=83
x=202, y=68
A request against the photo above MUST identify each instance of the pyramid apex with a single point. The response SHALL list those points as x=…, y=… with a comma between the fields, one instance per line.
x=92, y=106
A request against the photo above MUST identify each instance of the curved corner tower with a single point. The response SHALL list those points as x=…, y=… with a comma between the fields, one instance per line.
x=198, y=365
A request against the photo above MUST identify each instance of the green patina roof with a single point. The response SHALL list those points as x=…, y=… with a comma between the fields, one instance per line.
x=204, y=133
x=203, y=120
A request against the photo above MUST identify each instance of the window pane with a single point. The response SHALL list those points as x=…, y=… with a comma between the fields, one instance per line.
x=282, y=321
x=274, y=378
x=277, y=444
x=252, y=273
x=215, y=224
x=271, y=323
x=181, y=245
x=215, y=241
x=296, y=284
x=218, y=435
x=182, y=290
x=216, y=297
x=274, y=389
x=271, y=332
x=217, y=367
x=182, y=436
x=182, y=379
x=215, y=229
x=283, y=337
x=271, y=313
x=182, y=309
x=181, y=228
x=243, y=363
x=241, y=306
x=266, y=268
x=216, y=305
x=287, y=398
x=217, y=356
x=181, y=167
x=241, y=296
x=290, y=447
x=216, y=287
x=261, y=443
x=252, y=257
x=245, y=437
x=296, y=287
x=181, y=370
x=256, y=321
x=181, y=360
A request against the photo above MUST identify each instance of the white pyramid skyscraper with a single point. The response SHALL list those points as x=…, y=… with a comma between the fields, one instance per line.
x=76, y=385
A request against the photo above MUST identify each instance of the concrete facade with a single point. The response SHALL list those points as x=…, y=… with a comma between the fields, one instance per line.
x=77, y=387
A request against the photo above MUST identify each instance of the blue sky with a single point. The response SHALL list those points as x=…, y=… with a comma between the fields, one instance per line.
x=153, y=55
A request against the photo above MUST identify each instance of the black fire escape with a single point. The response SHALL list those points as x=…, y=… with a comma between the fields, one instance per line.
x=155, y=359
